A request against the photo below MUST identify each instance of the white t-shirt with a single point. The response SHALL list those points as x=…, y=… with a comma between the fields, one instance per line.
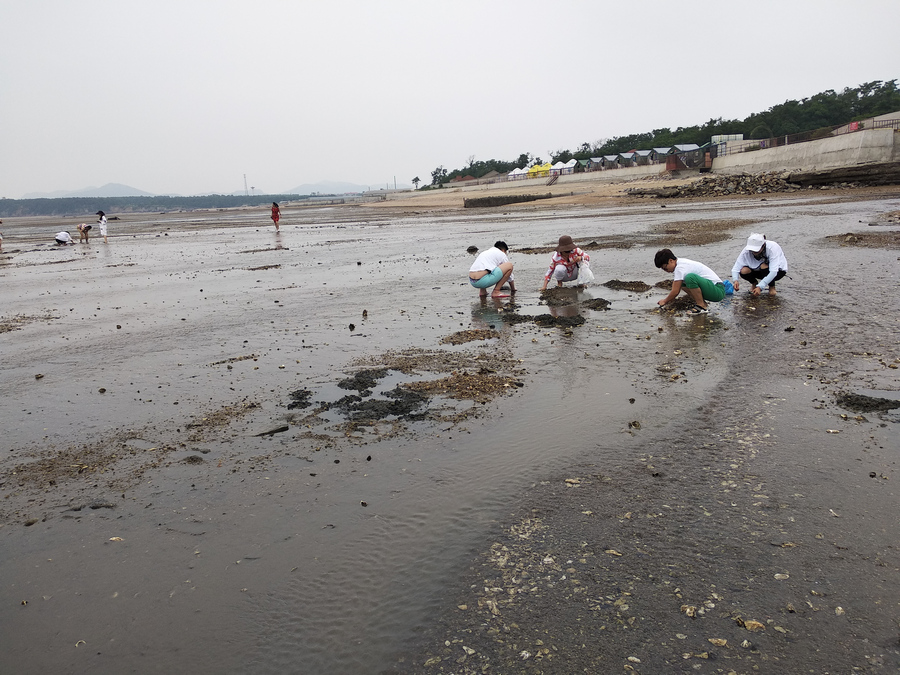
x=63, y=236
x=489, y=260
x=683, y=267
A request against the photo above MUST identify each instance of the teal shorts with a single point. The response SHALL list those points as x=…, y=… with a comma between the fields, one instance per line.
x=489, y=279
x=712, y=292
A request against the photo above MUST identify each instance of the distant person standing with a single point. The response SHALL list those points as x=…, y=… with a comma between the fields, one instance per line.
x=102, y=223
x=761, y=262
x=276, y=214
x=63, y=238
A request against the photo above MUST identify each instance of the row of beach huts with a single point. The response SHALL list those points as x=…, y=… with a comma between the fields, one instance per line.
x=689, y=155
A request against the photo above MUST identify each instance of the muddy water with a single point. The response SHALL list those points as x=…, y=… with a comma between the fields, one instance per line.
x=262, y=557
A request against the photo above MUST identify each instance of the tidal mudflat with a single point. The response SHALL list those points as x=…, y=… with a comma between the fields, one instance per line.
x=231, y=450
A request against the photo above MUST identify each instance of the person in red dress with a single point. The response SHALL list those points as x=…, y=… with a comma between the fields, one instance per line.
x=276, y=214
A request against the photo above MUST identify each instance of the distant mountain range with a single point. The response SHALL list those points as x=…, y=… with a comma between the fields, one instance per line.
x=108, y=190
x=119, y=190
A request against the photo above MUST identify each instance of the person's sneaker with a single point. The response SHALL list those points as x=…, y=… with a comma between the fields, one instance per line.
x=697, y=309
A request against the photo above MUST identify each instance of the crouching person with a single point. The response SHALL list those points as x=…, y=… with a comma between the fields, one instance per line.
x=697, y=280
x=565, y=262
x=762, y=263
x=493, y=268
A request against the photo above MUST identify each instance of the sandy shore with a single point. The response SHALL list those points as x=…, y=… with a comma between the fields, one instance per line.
x=228, y=450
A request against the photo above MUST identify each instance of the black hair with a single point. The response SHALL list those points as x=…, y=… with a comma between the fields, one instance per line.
x=501, y=245
x=663, y=256
x=274, y=203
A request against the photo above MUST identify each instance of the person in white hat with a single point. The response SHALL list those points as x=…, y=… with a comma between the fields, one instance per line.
x=761, y=262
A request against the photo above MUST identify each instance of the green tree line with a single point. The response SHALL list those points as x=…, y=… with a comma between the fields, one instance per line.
x=824, y=110
x=84, y=206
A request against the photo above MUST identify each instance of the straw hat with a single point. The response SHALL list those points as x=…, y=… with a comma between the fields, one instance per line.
x=565, y=244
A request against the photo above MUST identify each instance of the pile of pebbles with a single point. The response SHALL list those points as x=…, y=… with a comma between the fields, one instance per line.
x=734, y=184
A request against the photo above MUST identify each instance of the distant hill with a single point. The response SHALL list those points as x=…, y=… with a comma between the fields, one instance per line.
x=330, y=187
x=108, y=190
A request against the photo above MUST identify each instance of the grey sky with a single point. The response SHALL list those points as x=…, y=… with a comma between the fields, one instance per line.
x=187, y=96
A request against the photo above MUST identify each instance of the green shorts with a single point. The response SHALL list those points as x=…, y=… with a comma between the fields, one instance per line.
x=712, y=292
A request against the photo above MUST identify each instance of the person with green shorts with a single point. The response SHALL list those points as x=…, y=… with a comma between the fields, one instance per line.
x=697, y=280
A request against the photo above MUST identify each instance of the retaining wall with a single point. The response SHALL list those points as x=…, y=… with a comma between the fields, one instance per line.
x=871, y=146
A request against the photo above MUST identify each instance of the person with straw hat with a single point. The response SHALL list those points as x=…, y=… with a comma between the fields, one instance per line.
x=564, y=264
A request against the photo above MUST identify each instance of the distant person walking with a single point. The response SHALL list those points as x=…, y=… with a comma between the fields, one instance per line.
x=762, y=263
x=276, y=214
x=63, y=238
x=102, y=223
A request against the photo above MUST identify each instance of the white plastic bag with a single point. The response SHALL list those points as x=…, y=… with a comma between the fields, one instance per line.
x=585, y=276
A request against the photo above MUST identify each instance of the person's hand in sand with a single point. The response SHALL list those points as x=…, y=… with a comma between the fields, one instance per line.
x=762, y=263
x=564, y=263
x=493, y=268
x=697, y=280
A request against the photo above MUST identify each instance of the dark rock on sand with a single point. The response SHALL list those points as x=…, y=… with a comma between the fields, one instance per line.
x=596, y=303
x=300, y=398
x=363, y=380
x=633, y=286
x=559, y=321
x=862, y=403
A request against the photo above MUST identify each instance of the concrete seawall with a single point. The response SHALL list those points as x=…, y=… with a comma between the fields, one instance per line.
x=868, y=147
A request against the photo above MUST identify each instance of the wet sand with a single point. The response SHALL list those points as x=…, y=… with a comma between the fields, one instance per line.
x=634, y=467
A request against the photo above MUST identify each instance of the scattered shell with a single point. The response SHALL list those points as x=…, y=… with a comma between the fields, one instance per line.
x=38, y=376
x=116, y=539
x=690, y=610
x=839, y=610
x=718, y=642
x=782, y=577
x=754, y=625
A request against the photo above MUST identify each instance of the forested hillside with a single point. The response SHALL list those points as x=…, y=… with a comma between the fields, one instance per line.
x=826, y=109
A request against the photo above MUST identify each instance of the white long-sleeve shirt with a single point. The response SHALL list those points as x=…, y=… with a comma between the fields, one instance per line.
x=774, y=257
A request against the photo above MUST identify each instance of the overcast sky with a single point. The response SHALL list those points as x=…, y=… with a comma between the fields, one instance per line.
x=188, y=96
